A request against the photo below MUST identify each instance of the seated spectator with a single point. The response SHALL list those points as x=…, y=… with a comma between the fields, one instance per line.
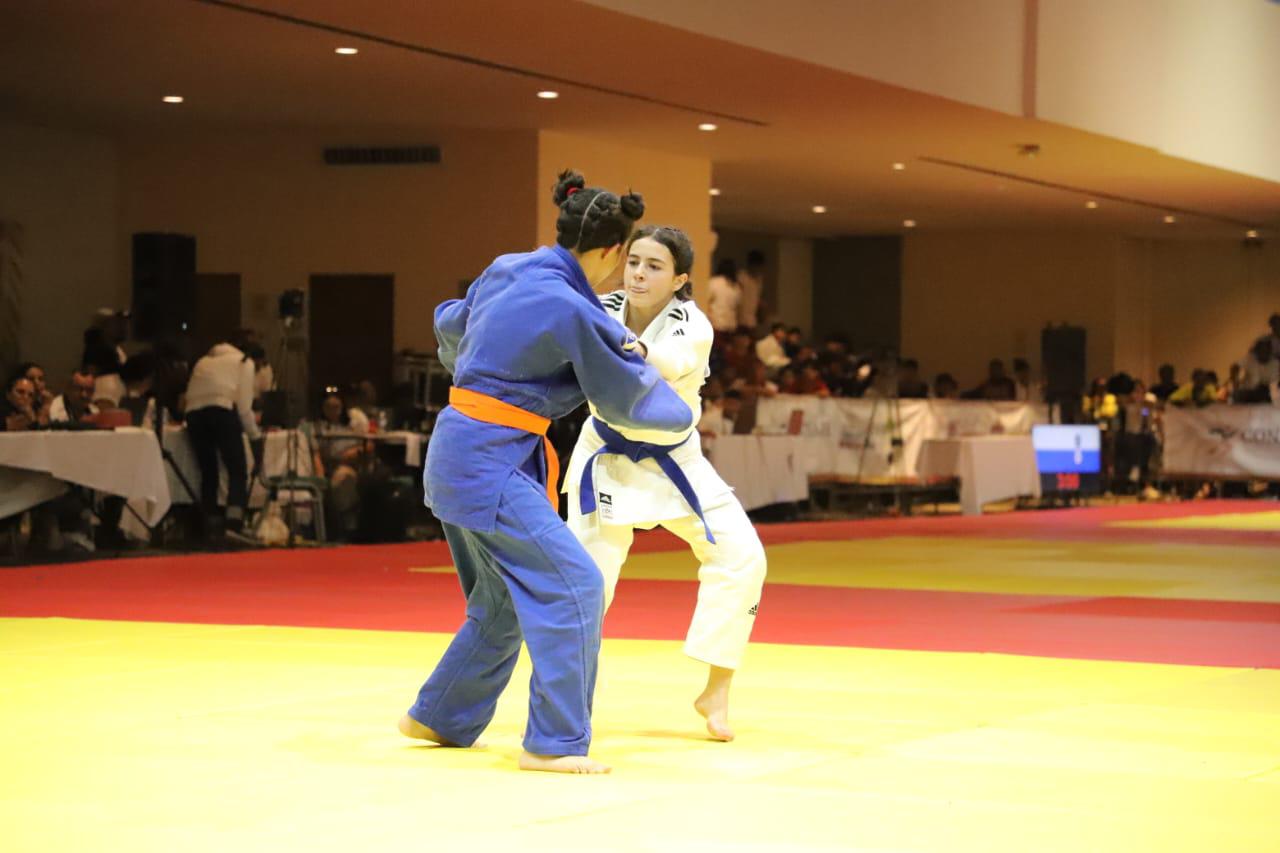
x=1026, y=389
x=75, y=403
x=338, y=454
x=103, y=359
x=43, y=397
x=811, y=381
x=1261, y=373
x=945, y=387
x=1200, y=391
x=997, y=385
x=788, y=381
x=794, y=341
x=740, y=355
x=834, y=370
x=1228, y=390
x=714, y=421
x=138, y=375
x=771, y=348
x=910, y=385
x=18, y=407
x=756, y=384
x=1167, y=384
x=723, y=298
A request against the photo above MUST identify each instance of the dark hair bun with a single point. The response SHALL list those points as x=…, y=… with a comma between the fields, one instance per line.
x=632, y=205
x=568, y=180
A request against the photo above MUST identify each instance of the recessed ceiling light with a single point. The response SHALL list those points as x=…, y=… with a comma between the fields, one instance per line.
x=1091, y=204
x=172, y=99
x=548, y=95
x=898, y=167
x=817, y=208
x=346, y=51
x=706, y=125
x=715, y=191
x=1251, y=234
x=1170, y=219
x=908, y=223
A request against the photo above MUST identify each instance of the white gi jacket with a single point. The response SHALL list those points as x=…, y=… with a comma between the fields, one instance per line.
x=640, y=494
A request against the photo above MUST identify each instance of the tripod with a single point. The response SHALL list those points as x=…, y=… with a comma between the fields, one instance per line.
x=291, y=383
x=893, y=425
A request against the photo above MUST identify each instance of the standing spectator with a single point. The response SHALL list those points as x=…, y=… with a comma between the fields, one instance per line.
x=794, y=342
x=997, y=386
x=1167, y=384
x=1261, y=373
x=1026, y=389
x=945, y=387
x=18, y=407
x=751, y=286
x=771, y=348
x=75, y=403
x=1274, y=323
x=723, y=298
x=910, y=385
x=219, y=415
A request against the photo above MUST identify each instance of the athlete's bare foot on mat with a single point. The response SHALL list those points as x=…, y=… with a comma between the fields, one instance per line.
x=409, y=727
x=713, y=704
x=561, y=763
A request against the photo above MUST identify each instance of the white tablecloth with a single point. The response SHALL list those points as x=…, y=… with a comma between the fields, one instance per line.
x=990, y=467
x=763, y=469
x=123, y=462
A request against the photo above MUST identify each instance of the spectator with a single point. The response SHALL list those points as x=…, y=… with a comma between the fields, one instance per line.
x=740, y=355
x=1274, y=323
x=756, y=383
x=1200, y=391
x=788, y=381
x=75, y=404
x=723, y=298
x=264, y=375
x=1167, y=384
x=1228, y=390
x=18, y=406
x=1026, y=389
x=811, y=381
x=1135, y=441
x=103, y=360
x=714, y=422
x=751, y=288
x=1101, y=406
x=219, y=415
x=910, y=385
x=945, y=387
x=338, y=459
x=997, y=386
x=138, y=375
x=771, y=348
x=794, y=342
x=43, y=397
x=1261, y=373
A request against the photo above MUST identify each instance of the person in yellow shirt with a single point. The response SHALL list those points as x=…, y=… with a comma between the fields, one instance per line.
x=1200, y=391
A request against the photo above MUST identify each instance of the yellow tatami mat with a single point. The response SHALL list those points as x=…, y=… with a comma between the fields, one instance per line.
x=1222, y=521
x=157, y=737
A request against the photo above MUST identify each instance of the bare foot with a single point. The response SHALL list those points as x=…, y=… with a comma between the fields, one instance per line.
x=409, y=727
x=713, y=704
x=561, y=763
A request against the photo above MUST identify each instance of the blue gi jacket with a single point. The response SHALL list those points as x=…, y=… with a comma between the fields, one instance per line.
x=531, y=333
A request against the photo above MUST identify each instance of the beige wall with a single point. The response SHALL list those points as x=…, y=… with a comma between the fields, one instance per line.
x=970, y=297
x=795, y=283
x=61, y=188
x=674, y=187
x=265, y=206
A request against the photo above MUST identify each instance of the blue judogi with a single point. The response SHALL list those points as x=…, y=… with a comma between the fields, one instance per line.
x=532, y=334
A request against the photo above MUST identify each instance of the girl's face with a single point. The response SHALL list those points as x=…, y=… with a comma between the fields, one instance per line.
x=332, y=409
x=36, y=375
x=22, y=394
x=650, y=275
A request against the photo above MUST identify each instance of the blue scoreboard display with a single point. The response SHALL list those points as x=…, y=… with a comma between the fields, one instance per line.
x=1069, y=457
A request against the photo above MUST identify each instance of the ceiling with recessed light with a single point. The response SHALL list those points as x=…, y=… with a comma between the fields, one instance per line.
x=788, y=135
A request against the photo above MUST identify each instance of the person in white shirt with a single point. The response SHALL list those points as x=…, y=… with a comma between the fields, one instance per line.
x=75, y=404
x=621, y=479
x=723, y=297
x=751, y=285
x=219, y=415
x=771, y=348
x=1261, y=373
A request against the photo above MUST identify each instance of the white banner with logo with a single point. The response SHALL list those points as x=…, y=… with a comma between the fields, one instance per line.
x=860, y=434
x=1223, y=441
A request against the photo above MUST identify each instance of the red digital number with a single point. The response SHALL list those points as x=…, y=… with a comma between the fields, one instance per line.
x=1068, y=482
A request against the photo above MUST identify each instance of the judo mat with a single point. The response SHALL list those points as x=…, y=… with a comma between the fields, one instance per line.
x=1032, y=681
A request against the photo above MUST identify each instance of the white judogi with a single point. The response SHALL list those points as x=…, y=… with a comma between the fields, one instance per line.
x=631, y=495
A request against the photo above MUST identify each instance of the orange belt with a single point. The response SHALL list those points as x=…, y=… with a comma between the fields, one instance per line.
x=490, y=410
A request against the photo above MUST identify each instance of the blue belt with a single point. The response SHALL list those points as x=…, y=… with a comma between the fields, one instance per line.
x=615, y=442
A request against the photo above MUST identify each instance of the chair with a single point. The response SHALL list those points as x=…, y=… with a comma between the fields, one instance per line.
x=313, y=488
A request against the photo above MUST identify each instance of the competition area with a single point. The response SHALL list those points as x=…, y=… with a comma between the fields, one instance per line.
x=1102, y=679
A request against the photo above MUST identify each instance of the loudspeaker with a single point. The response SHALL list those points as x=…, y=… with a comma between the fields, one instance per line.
x=1062, y=357
x=164, y=285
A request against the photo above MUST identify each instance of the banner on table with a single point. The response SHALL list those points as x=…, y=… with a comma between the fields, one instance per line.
x=850, y=425
x=1223, y=441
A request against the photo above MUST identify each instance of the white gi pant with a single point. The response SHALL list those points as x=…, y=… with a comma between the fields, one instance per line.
x=733, y=569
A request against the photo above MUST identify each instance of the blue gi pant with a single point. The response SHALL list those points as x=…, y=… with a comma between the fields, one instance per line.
x=530, y=578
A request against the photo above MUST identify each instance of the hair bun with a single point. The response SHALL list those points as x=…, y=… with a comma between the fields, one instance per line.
x=632, y=205
x=568, y=180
